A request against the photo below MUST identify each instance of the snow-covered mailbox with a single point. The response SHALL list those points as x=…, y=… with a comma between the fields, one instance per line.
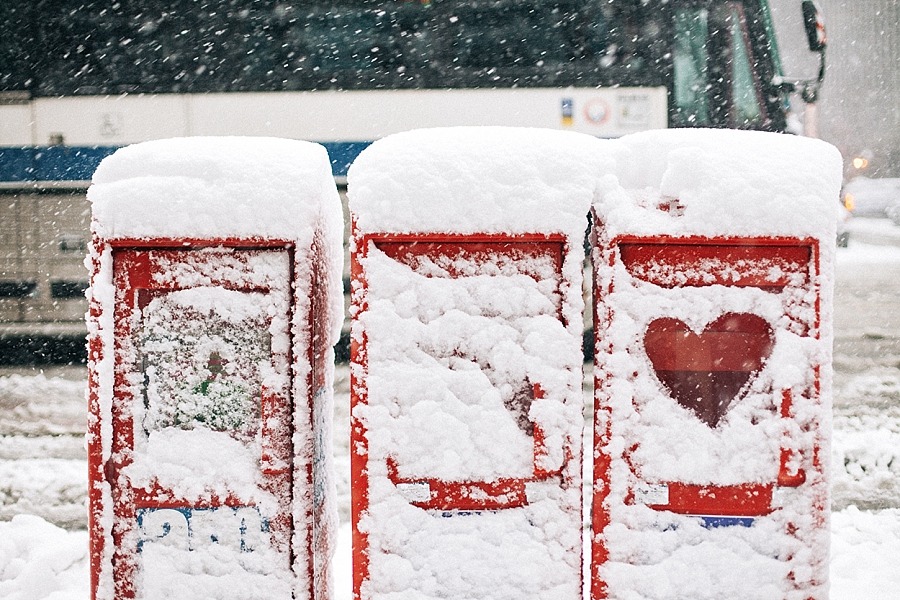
x=713, y=281
x=466, y=363
x=215, y=300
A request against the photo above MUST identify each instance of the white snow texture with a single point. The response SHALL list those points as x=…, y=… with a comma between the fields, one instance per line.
x=470, y=361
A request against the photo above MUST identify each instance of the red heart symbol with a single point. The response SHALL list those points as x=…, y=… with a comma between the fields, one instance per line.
x=705, y=372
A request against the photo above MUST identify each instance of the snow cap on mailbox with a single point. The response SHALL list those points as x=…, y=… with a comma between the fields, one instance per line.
x=470, y=180
x=741, y=183
x=214, y=187
x=260, y=223
x=220, y=188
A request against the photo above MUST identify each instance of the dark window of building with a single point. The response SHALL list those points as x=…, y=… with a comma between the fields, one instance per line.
x=68, y=289
x=16, y=289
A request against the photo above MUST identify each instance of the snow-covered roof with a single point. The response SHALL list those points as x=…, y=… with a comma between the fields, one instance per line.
x=216, y=187
x=476, y=180
x=730, y=183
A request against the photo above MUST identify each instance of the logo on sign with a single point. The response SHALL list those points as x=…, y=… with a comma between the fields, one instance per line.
x=568, y=111
x=596, y=111
x=110, y=125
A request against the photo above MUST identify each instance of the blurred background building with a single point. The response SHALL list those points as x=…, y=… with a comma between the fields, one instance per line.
x=859, y=107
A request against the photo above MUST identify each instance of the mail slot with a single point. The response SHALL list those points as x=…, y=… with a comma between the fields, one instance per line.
x=215, y=300
x=466, y=363
x=713, y=279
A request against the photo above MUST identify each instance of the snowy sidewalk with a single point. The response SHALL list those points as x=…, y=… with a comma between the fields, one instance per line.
x=879, y=232
x=41, y=561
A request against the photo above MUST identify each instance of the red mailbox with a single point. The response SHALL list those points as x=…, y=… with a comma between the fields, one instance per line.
x=215, y=300
x=466, y=363
x=713, y=300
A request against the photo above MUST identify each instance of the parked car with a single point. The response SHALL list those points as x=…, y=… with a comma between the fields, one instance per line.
x=866, y=197
x=893, y=211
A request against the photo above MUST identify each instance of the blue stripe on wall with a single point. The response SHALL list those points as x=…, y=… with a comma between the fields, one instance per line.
x=78, y=163
x=16, y=164
x=51, y=163
x=342, y=154
x=64, y=163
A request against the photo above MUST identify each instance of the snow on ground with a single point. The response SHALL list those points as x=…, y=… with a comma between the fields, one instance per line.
x=43, y=544
x=871, y=241
x=864, y=551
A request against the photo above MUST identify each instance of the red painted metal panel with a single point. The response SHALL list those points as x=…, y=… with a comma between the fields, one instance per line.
x=679, y=262
x=746, y=500
x=321, y=415
x=96, y=472
x=445, y=250
x=140, y=275
x=770, y=264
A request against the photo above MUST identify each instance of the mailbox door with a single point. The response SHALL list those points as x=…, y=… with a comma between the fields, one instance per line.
x=711, y=317
x=458, y=460
x=201, y=466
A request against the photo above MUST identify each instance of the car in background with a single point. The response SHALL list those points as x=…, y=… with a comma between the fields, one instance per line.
x=865, y=197
x=893, y=213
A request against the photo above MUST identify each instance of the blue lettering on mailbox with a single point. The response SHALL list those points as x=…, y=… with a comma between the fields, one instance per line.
x=191, y=529
x=447, y=514
x=716, y=522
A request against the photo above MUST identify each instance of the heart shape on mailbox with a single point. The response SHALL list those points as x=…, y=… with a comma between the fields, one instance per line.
x=705, y=372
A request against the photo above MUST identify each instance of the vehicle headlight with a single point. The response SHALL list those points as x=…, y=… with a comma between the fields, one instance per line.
x=849, y=202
